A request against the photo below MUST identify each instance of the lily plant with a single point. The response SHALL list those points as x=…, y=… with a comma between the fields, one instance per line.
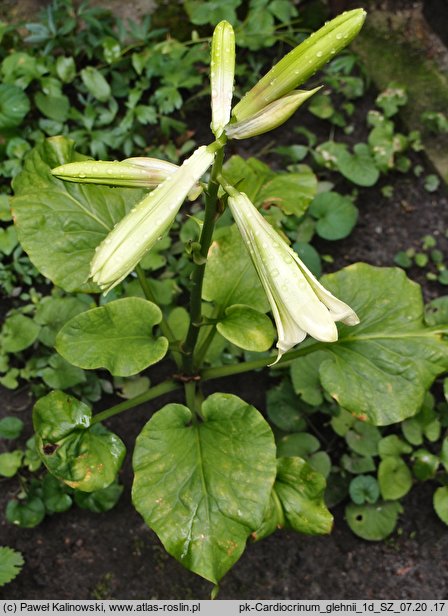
x=206, y=473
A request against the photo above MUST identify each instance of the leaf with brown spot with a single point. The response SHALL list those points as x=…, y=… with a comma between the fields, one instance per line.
x=85, y=457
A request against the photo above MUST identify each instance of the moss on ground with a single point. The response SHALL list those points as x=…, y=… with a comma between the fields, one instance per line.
x=388, y=57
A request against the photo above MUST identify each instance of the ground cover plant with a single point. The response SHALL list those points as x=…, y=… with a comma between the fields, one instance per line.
x=376, y=374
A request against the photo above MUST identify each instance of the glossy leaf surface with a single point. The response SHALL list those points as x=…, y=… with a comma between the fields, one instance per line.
x=84, y=457
x=297, y=501
x=60, y=223
x=182, y=486
x=381, y=369
x=117, y=336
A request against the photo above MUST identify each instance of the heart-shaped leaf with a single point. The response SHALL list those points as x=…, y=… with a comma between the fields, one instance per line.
x=84, y=457
x=18, y=333
x=373, y=522
x=394, y=477
x=117, y=336
x=291, y=192
x=182, y=487
x=336, y=215
x=359, y=167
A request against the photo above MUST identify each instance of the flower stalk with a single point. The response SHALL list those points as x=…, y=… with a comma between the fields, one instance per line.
x=199, y=270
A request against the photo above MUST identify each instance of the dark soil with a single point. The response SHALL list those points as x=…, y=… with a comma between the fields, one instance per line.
x=82, y=555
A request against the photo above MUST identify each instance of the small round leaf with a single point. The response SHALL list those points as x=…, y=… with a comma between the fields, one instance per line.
x=424, y=464
x=440, y=502
x=372, y=522
x=14, y=105
x=364, y=489
x=25, y=513
x=394, y=477
x=336, y=215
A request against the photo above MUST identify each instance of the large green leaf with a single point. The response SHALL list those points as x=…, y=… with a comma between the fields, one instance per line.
x=84, y=457
x=230, y=278
x=203, y=488
x=53, y=312
x=60, y=223
x=381, y=369
x=291, y=192
x=297, y=501
x=117, y=336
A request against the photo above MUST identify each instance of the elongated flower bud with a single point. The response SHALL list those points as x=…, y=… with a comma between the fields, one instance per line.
x=132, y=172
x=138, y=172
x=221, y=75
x=269, y=117
x=139, y=230
x=299, y=303
x=300, y=63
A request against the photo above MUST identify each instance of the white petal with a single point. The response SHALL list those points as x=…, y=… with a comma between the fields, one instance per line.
x=339, y=310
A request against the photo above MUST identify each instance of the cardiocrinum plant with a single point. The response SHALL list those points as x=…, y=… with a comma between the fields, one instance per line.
x=206, y=472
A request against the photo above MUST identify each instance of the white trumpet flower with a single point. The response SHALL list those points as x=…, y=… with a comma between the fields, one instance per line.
x=145, y=224
x=299, y=303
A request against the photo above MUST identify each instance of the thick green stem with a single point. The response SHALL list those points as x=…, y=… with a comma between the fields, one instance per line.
x=190, y=399
x=199, y=270
x=247, y=366
x=158, y=390
x=202, y=350
x=207, y=375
